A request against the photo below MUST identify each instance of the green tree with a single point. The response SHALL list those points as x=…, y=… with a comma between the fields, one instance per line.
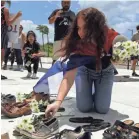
x=45, y=31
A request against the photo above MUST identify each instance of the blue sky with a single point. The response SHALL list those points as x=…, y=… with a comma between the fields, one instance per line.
x=121, y=15
x=38, y=11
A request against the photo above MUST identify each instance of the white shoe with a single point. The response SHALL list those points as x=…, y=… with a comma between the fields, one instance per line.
x=29, y=75
x=34, y=76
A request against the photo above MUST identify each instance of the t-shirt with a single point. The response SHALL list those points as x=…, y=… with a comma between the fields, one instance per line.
x=62, y=23
x=31, y=48
x=135, y=37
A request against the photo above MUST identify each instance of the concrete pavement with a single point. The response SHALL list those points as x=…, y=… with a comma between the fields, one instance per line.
x=125, y=97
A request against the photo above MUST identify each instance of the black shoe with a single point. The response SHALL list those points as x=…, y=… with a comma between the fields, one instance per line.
x=134, y=74
x=3, y=77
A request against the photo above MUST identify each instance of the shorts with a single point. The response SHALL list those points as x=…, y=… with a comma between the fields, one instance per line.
x=56, y=47
x=135, y=57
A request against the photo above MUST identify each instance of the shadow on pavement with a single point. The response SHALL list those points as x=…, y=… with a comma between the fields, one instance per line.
x=43, y=70
x=125, y=79
x=25, y=78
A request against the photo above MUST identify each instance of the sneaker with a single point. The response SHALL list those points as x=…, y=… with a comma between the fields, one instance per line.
x=134, y=74
x=4, y=67
x=34, y=76
x=11, y=67
x=46, y=129
x=21, y=69
x=18, y=68
x=72, y=134
x=29, y=75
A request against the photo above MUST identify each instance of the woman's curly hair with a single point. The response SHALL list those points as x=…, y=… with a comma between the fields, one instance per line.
x=95, y=25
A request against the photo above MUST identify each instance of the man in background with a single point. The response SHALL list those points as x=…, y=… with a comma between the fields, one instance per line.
x=135, y=58
x=62, y=19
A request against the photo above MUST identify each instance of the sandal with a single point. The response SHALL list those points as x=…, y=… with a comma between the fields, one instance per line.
x=133, y=132
x=96, y=127
x=85, y=120
x=118, y=130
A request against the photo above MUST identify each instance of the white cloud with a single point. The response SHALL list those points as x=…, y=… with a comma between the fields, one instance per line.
x=29, y=25
x=120, y=15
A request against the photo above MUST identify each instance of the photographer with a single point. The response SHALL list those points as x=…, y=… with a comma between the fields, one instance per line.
x=62, y=19
x=32, y=54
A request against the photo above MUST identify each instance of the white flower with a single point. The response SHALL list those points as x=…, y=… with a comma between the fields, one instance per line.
x=123, y=55
x=26, y=121
x=35, y=110
x=41, y=102
x=21, y=126
x=46, y=103
x=30, y=128
x=118, y=44
x=137, y=52
x=34, y=101
x=116, y=51
x=20, y=97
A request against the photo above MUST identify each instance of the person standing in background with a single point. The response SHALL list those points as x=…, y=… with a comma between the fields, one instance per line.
x=135, y=58
x=62, y=19
x=5, y=22
x=18, y=47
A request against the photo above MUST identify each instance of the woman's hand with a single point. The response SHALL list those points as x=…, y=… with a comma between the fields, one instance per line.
x=52, y=109
x=19, y=14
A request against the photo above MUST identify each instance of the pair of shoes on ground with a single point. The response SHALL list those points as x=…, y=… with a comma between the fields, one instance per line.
x=30, y=75
x=16, y=109
x=44, y=128
x=122, y=130
x=93, y=124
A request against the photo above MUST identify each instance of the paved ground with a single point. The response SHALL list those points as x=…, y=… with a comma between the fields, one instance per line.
x=125, y=104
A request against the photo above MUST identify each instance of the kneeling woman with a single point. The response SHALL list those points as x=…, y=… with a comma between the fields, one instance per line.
x=32, y=54
x=89, y=47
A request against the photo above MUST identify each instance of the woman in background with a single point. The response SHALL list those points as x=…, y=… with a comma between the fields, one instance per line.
x=32, y=54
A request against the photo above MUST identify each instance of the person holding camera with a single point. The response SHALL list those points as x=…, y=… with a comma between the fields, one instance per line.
x=62, y=19
x=32, y=54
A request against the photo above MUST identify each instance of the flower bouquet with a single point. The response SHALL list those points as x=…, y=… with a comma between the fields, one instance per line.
x=123, y=50
x=25, y=123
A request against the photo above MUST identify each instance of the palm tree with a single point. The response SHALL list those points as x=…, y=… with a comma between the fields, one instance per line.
x=44, y=30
